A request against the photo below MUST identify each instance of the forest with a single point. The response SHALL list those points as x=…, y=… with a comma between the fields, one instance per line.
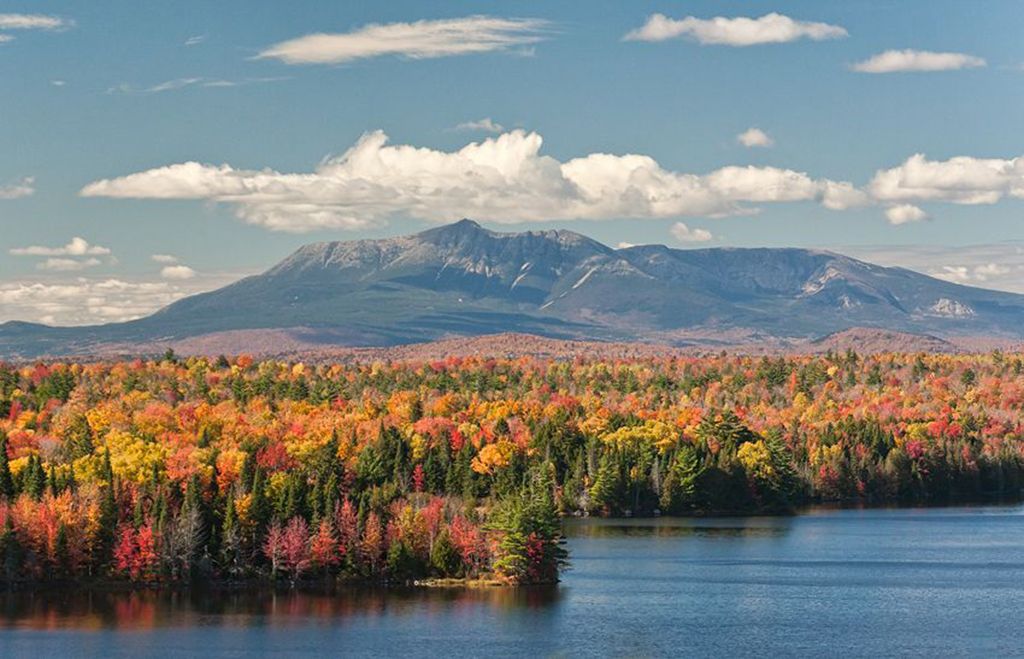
x=182, y=470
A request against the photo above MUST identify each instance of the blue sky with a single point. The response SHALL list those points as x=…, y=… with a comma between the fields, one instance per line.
x=102, y=91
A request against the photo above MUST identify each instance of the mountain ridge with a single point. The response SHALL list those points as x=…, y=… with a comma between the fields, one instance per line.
x=464, y=280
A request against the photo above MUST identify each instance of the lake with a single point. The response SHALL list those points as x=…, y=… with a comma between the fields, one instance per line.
x=873, y=582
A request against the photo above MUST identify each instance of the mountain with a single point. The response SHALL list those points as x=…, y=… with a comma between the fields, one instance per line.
x=464, y=280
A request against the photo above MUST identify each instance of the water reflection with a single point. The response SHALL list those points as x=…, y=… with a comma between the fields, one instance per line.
x=145, y=610
x=668, y=527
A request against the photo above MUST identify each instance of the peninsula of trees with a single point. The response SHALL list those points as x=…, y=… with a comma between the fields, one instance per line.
x=181, y=470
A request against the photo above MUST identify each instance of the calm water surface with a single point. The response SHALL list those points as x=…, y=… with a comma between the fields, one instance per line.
x=935, y=582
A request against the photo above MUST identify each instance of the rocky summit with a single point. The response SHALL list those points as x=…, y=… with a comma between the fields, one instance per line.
x=464, y=280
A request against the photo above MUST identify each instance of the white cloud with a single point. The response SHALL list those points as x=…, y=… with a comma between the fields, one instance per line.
x=755, y=137
x=979, y=274
x=84, y=301
x=32, y=22
x=58, y=83
x=419, y=40
x=685, y=234
x=485, y=125
x=904, y=214
x=625, y=245
x=960, y=180
x=22, y=188
x=80, y=300
x=177, y=272
x=77, y=247
x=500, y=179
x=894, y=61
x=196, y=40
x=185, y=83
x=997, y=266
x=4, y=38
x=739, y=31
x=57, y=264
x=165, y=258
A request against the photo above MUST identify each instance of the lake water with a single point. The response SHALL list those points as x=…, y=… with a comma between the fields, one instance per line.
x=870, y=583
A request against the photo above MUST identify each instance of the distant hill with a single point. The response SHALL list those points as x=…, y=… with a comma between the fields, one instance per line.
x=463, y=280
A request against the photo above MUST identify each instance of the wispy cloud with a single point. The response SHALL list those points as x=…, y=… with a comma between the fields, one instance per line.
x=57, y=264
x=738, y=32
x=999, y=266
x=419, y=40
x=9, y=22
x=185, y=83
x=24, y=187
x=33, y=22
x=485, y=125
x=900, y=61
x=195, y=41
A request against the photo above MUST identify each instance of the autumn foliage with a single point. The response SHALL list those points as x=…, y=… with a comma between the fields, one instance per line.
x=175, y=470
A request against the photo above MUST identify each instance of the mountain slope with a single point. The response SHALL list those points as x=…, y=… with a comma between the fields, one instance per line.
x=463, y=280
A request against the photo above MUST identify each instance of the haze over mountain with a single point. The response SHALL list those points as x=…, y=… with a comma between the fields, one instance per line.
x=464, y=280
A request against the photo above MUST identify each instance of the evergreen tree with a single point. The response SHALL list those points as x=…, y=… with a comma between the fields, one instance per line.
x=6, y=481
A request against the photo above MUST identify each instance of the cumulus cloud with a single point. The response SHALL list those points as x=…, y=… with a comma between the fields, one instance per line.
x=685, y=234
x=485, y=125
x=739, y=31
x=896, y=61
x=24, y=187
x=81, y=300
x=177, y=272
x=960, y=180
x=419, y=40
x=165, y=258
x=905, y=214
x=500, y=179
x=77, y=247
x=755, y=137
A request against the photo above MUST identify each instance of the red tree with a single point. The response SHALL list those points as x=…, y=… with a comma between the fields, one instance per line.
x=372, y=545
x=323, y=546
x=124, y=550
x=295, y=547
x=346, y=521
x=273, y=547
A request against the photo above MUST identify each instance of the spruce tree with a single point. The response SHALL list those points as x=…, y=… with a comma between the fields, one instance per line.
x=6, y=481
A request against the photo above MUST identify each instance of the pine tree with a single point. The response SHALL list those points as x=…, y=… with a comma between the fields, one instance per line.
x=230, y=541
x=6, y=481
x=34, y=483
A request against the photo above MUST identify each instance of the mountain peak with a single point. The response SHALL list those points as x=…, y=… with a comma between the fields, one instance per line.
x=462, y=279
x=464, y=227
